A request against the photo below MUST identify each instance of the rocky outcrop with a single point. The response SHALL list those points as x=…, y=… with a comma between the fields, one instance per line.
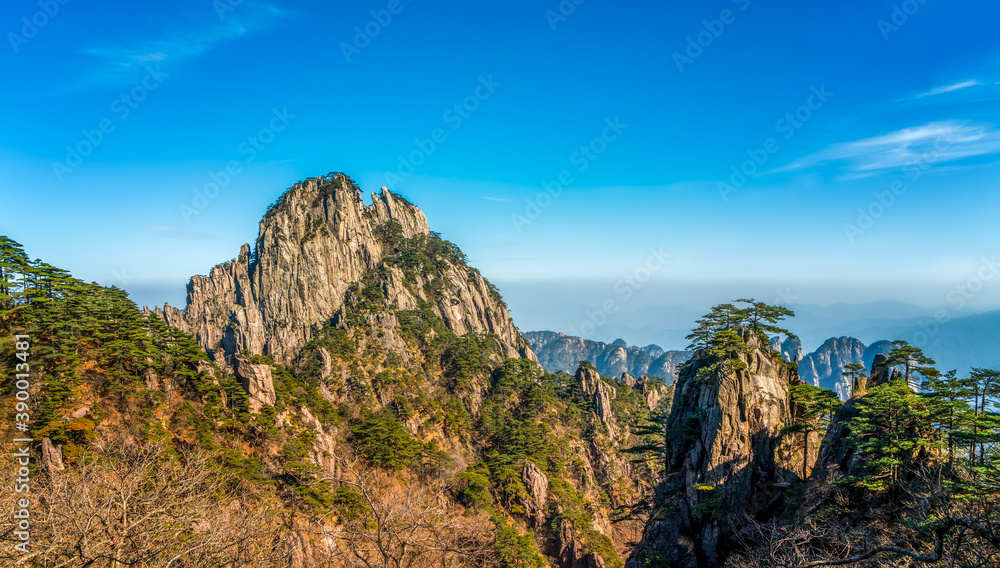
x=560, y=352
x=313, y=244
x=537, y=484
x=825, y=367
x=570, y=553
x=628, y=380
x=257, y=381
x=654, y=391
x=729, y=457
x=881, y=372
x=591, y=384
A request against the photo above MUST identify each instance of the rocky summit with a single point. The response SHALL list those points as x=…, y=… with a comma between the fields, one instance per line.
x=315, y=242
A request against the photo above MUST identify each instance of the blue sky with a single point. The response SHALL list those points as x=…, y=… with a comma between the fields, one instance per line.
x=642, y=108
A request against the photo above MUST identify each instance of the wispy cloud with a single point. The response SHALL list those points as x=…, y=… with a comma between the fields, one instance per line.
x=502, y=199
x=173, y=42
x=950, y=88
x=932, y=143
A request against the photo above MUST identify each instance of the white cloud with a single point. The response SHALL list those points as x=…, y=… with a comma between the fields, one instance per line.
x=932, y=143
x=950, y=88
x=176, y=41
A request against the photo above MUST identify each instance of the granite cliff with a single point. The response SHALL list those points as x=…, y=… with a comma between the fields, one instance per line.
x=314, y=243
x=727, y=457
x=825, y=366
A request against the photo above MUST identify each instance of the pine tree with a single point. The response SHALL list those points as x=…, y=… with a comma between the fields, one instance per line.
x=655, y=433
x=763, y=318
x=893, y=425
x=859, y=380
x=946, y=395
x=984, y=386
x=813, y=410
x=913, y=360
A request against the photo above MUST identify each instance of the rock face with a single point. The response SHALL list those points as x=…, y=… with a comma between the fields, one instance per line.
x=559, y=352
x=537, y=484
x=591, y=384
x=881, y=372
x=790, y=348
x=257, y=381
x=313, y=244
x=653, y=391
x=729, y=458
x=825, y=366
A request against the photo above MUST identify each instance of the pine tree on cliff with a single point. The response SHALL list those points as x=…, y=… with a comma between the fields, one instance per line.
x=763, y=318
x=815, y=408
x=855, y=372
x=946, y=395
x=719, y=333
x=913, y=361
x=984, y=387
x=892, y=427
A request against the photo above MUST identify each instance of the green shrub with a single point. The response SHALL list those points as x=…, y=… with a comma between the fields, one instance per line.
x=384, y=442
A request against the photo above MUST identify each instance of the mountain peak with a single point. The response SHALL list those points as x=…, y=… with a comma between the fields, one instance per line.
x=316, y=241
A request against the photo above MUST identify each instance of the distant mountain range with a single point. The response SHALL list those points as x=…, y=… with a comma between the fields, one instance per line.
x=825, y=366
x=559, y=352
x=959, y=344
x=564, y=306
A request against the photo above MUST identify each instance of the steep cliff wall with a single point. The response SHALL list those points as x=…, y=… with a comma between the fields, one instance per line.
x=727, y=457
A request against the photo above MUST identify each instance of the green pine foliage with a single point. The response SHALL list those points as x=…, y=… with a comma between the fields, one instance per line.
x=950, y=425
x=720, y=333
x=814, y=408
